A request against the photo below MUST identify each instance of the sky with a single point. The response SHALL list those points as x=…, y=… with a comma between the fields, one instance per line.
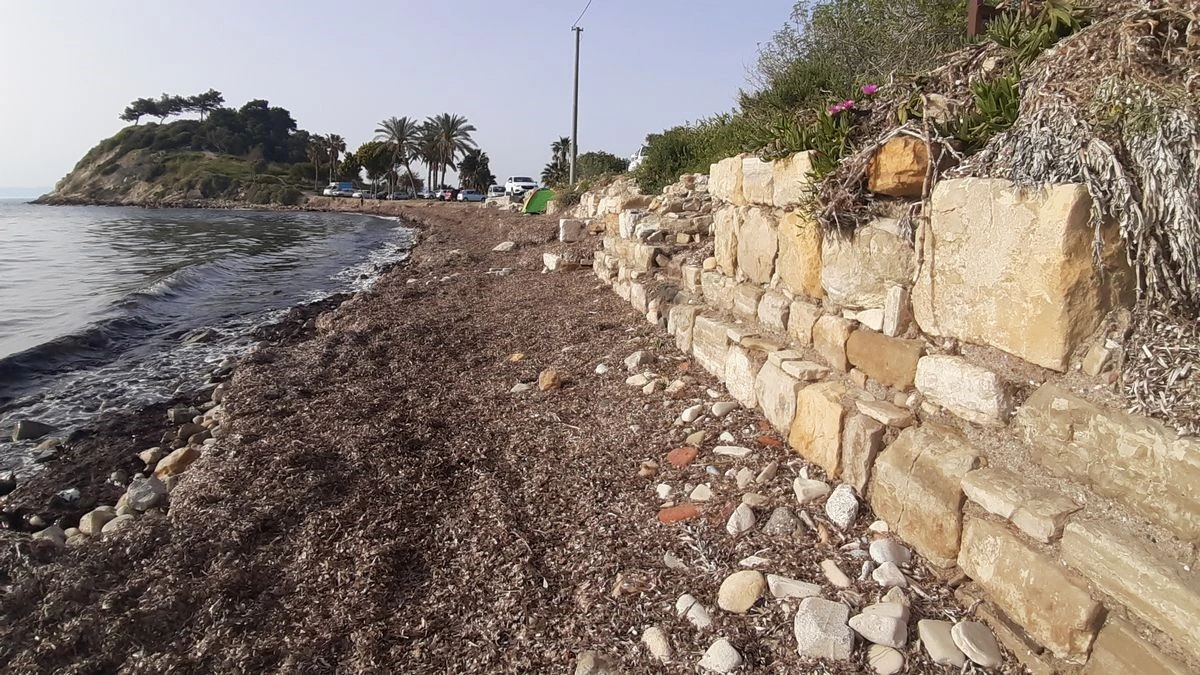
x=68, y=68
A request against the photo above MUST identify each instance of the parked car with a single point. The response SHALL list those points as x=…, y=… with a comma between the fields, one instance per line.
x=400, y=195
x=517, y=185
x=637, y=158
x=496, y=191
x=470, y=196
x=447, y=195
x=426, y=194
x=341, y=189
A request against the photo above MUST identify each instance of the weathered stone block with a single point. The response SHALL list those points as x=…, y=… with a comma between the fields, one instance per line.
x=1038, y=512
x=897, y=311
x=717, y=289
x=1032, y=589
x=773, y=310
x=572, y=230
x=776, y=392
x=745, y=301
x=725, y=180
x=1018, y=274
x=916, y=489
x=757, y=245
x=1119, y=649
x=691, y=278
x=1145, y=582
x=816, y=431
x=638, y=298
x=758, y=181
x=799, y=264
x=971, y=392
x=829, y=337
x=741, y=370
x=792, y=184
x=899, y=167
x=891, y=361
x=802, y=317
x=680, y=321
x=710, y=344
x=861, y=442
x=857, y=271
x=727, y=220
x=1131, y=459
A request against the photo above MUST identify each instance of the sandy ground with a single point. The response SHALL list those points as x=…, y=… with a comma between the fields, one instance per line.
x=382, y=503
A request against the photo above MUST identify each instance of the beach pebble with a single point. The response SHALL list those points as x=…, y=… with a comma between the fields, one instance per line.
x=91, y=523
x=696, y=438
x=691, y=414
x=781, y=523
x=722, y=408
x=591, y=663
x=885, y=660
x=701, y=493
x=721, y=657
x=842, y=506
x=783, y=587
x=834, y=574
x=648, y=469
x=657, y=643
x=727, y=437
x=744, y=477
x=767, y=474
x=664, y=491
x=977, y=642
x=820, y=630
x=890, y=550
x=636, y=360
x=939, y=644
x=880, y=630
x=740, y=591
x=732, y=451
x=53, y=534
x=889, y=575
x=807, y=490
x=879, y=527
x=601, y=369
x=145, y=493
x=755, y=500
x=673, y=562
x=688, y=607
x=741, y=521
x=895, y=595
x=753, y=561
x=520, y=388
x=117, y=524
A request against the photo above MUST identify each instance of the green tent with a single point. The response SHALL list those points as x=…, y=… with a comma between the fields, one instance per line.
x=536, y=200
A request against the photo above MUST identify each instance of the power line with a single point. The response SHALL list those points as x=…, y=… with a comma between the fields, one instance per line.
x=585, y=9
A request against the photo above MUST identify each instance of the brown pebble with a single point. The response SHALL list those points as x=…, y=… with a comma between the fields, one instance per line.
x=549, y=379
x=648, y=469
x=681, y=457
x=675, y=514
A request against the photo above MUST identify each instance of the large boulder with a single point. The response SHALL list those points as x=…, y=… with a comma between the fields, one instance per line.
x=1016, y=270
x=857, y=271
x=799, y=263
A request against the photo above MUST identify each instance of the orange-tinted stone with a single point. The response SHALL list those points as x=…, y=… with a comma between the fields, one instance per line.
x=769, y=441
x=681, y=457
x=675, y=514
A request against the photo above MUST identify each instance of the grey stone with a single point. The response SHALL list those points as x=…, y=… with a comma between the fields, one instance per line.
x=821, y=631
x=591, y=663
x=28, y=430
x=885, y=660
x=696, y=438
x=880, y=630
x=117, y=524
x=890, y=550
x=783, y=587
x=767, y=474
x=889, y=575
x=53, y=534
x=692, y=414
x=935, y=636
x=978, y=643
x=732, y=451
x=722, y=408
x=701, y=493
x=740, y=521
x=721, y=657
x=505, y=246
x=842, y=506
x=688, y=607
x=781, y=523
x=744, y=477
x=520, y=388
x=91, y=523
x=145, y=493
x=635, y=361
x=807, y=490
x=754, y=500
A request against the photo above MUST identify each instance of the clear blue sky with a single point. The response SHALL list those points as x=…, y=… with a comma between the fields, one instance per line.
x=68, y=68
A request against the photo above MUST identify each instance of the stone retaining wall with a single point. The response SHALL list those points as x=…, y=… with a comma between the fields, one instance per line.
x=850, y=346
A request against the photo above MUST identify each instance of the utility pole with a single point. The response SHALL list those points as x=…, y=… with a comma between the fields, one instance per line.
x=575, y=112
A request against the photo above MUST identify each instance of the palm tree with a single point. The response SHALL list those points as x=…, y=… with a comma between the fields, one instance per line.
x=336, y=145
x=404, y=137
x=561, y=150
x=474, y=171
x=554, y=174
x=428, y=153
x=316, y=151
x=451, y=138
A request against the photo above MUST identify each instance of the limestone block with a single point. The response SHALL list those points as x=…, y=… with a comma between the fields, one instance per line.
x=572, y=230
x=691, y=278
x=816, y=431
x=897, y=311
x=971, y=392
x=757, y=245
x=1133, y=460
x=1145, y=582
x=638, y=298
x=680, y=321
x=829, y=337
x=857, y=271
x=627, y=222
x=1119, y=649
x=792, y=183
x=745, y=301
x=1015, y=270
x=899, y=167
x=1038, y=512
x=773, y=310
x=710, y=344
x=727, y=220
x=725, y=181
x=717, y=289
x=799, y=264
x=891, y=361
x=861, y=442
x=741, y=370
x=1032, y=589
x=776, y=392
x=916, y=488
x=758, y=181
x=802, y=318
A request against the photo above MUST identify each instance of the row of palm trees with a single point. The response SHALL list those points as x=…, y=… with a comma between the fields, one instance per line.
x=438, y=142
x=325, y=150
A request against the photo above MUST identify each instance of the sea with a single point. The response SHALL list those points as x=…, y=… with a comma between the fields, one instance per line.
x=106, y=309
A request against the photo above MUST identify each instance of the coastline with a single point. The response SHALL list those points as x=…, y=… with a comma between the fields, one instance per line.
x=391, y=490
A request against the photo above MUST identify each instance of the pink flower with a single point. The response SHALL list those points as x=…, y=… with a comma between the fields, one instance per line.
x=847, y=104
x=835, y=109
x=870, y=89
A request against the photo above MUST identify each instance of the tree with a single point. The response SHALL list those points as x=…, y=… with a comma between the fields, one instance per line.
x=205, y=103
x=335, y=145
x=451, y=138
x=561, y=150
x=599, y=163
x=169, y=105
x=376, y=159
x=403, y=136
x=316, y=152
x=349, y=168
x=474, y=172
x=138, y=108
x=555, y=174
x=427, y=151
